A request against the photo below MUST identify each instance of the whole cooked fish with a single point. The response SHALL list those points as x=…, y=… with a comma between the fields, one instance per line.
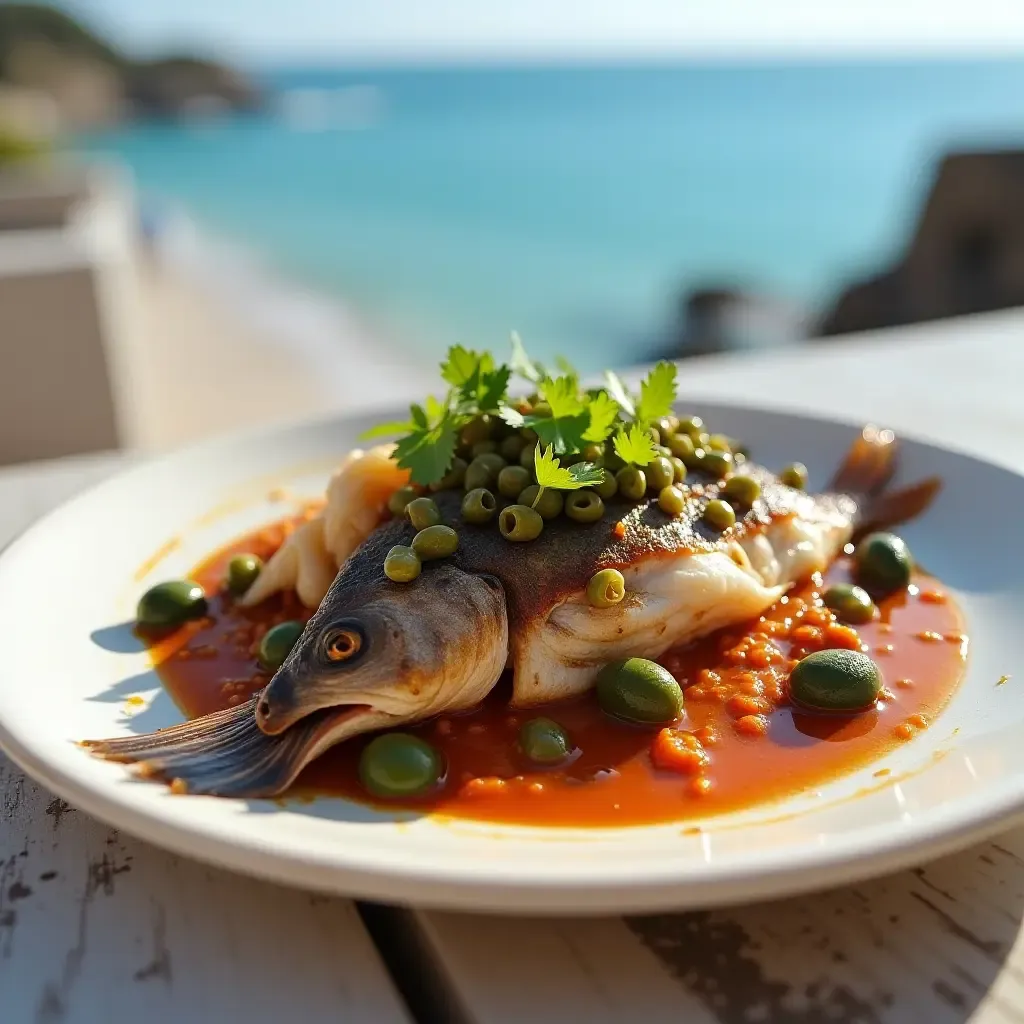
x=378, y=654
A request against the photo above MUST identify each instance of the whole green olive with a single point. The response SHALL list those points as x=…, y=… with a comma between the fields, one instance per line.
x=171, y=603
x=551, y=501
x=741, y=490
x=632, y=482
x=479, y=506
x=512, y=447
x=851, y=604
x=527, y=457
x=544, y=741
x=402, y=564
x=681, y=445
x=484, y=448
x=608, y=487
x=719, y=515
x=453, y=478
x=423, y=512
x=481, y=473
x=692, y=425
x=640, y=691
x=835, y=680
x=882, y=563
x=671, y=501
x=659, y=473
x=476, y=430
x=435, y=542
x=394, y=765
x=716, y=463
x=401, y=498
x=678, y=470
x=243, y=569
x=512, y=480
x=277, y=643
x=795, y=476
x=593, y=453
x=606, y=587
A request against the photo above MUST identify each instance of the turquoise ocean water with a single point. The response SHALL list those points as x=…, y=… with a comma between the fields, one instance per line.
x=576, y=204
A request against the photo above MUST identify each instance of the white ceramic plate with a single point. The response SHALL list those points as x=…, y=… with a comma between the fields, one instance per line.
x=68, y=589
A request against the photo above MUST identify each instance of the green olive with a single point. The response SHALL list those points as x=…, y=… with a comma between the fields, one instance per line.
x=476, y=430
x=584, y=506
x=692, y=425
x=484, y=448
x=402, y=564
x=593, y=453
x=242, y=573
x=479, y=506
x=527, y=457
x=606, y=587
x=695, y=460
x=640, y=691
x=423, y=512
x=719, y=515
x=171, y=603
x=529, y=435
x=659, y=473
x=551, y=501
x=512, y=447
x=453, y=478
x=882, y=563
x=794, y=476
x=277, y=643
x=741, y=490
x=671, y=501
x=481, y=473
x=512, y=480
x=542, y=409
x=720, y=443
x=667, y=426
x=608, y=487
x=401, y=498
x=717, y=464
x=655, y=434
x=632, y=482
x=681, y=445
x=435, y=542
x=396, y=764
x=544, y=741
x=852, y=604
x=835, y=680
x=612, y=460
x=678, y=470
x=520, y=523
x=492, y=460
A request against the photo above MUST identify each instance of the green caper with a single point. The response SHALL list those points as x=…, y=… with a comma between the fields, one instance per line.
x=606, y=587
x=277, y=643
x=794, y=476
x=544, y=741
x=640, y=691
x=453, y=478
x=716, y=463
x=479, y=506
x=435, y=542
x=678, y=470
x=659, y=473
x=692, y=425
x=719, y=515
x=527, y=457
x=171, y=603
x=512, y=480
x=851, y=604
x=584, y=506
x=401, y=498
x=671, y=501
x=423, y=512
x=512, y=447
x=542, y=409
x=741, y=490
x=477, y=429
x=520, y=523
x=835, y=680
x=484, y=448
x=481, y=473
x=632, y=482
x=593, y=453
x=608, y=487
x=681, y=445
x=402, y=564
x=882, y=563
x=242, y=573
x=396, y=764
x=551, y=501
x=720, y=443
x=667, y=426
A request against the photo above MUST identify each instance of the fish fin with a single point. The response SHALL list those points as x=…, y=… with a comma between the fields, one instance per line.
x=868, y=466
x=222, y=754
x=894, y=507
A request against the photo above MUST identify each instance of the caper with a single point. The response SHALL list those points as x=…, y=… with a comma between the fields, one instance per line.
x=435, y=542
x=550, y=504
x=632, y=482
x=481, y=473
x=640, y=691
x=171, y=603
x=402, y=564
x=396, y=764
x=671, y=501
x=512, y=447
x=882, y=563
x=479, y=506
x=835, y=680
x=741, y=490
x=678, y=470
x=608, y=487
x=794, y=476
x=717, y=464
x=584, y=506
x=520, y=523
x=606, y=587
x=423, y=512
x=401, y=498
x=277, y=643
x=681, y=445
x=453, y=478
x=692, y=425
x=544, y=741
x=720, y=443
x=851, y=604
x=476, y=430
x=719, y=515
x=593, y=453
x=242, y=573
x=512, y=480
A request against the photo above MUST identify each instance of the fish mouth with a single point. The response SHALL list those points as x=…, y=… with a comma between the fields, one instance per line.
x=227, y=754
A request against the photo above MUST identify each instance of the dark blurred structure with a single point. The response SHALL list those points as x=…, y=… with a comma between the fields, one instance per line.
x=966, y=254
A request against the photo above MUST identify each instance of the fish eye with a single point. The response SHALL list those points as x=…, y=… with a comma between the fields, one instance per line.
x=343, y=644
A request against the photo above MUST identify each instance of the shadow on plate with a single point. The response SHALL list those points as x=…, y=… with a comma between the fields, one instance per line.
x=119, y=639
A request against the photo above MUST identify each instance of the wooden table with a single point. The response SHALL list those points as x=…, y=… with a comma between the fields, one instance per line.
x=98, y=927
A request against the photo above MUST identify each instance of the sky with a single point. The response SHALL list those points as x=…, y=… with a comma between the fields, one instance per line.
x=467, y=29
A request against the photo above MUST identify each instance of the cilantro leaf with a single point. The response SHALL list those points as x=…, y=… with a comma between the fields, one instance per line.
x=603, y=411
x=493, y=386
x=618, y=391
x=419, y=417
x=562, y=394
x=565, y=433
x=551, y=474
x=479, y=385
x=522, y=364
x=636, y=447
x=387, y=430
x=464, y=366
x=657, y=393
x=428, y=453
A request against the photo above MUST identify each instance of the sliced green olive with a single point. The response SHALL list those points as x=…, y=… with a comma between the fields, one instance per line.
x=659, y=473
x=608, y=487
x=398, y=501
x=671, y=501
x=606, y=587
x=544, y=741
x=717, y=464
x=883, y=563
x=719, y=515
x=479, y=506
x=632, y=482
x=851, y=604
x=551, y=501
x=435, y=542
x=402, y=564
x=277, y=643
x=520, y=523
x=640, y=691
x=741, y=490
x=453, y=478
x=396, y=764
x=423, y=512
x=512, y=480
x=584, y=506
x=794, y=475
x=242, y=573
x=171, y=603
x=835, y=680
